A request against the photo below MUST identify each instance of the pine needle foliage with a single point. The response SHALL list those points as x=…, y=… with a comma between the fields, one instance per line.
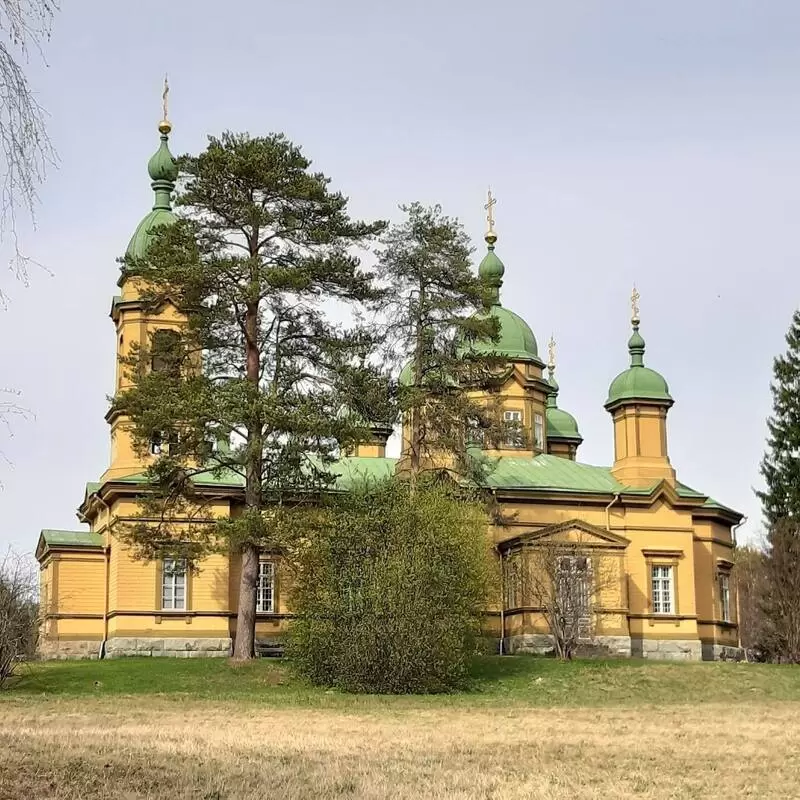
x=250, y=388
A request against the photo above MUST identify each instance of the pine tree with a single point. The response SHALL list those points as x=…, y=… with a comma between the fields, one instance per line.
x=433, y=313
x=252, y=387
x=781, y=464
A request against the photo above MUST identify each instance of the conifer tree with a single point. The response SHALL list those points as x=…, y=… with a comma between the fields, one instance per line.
x=433, y=314
x=781, y=464
x=251, y=388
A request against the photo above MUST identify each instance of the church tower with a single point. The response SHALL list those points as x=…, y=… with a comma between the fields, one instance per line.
x=137, y=321
x=638, y=401
x=563, y=436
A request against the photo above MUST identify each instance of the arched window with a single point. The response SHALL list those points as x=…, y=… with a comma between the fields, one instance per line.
x=166, y=352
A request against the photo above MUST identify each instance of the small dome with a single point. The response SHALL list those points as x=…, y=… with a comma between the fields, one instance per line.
x=516, y=341
x=638, y=383
x=162, y=166
x=406, y=377
x=491, y=268
x=561, y=425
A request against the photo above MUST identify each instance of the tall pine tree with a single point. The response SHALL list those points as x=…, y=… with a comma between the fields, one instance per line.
x=252, y=386
x=433, y=312
x=781, y=464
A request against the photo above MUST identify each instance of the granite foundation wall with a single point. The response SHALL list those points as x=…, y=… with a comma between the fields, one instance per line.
x=61, y=650
x=542, y=644
x=168, y=648
x=667, y=649
x=722, y=652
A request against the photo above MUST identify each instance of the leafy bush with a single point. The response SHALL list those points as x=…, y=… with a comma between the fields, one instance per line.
x=390, y=590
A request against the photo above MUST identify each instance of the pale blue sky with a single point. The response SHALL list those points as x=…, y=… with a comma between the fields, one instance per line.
x=647, y=141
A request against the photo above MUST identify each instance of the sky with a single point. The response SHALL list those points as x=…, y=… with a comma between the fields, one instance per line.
x=647, y=142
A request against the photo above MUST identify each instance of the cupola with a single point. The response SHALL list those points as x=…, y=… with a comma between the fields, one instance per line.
x=563, y=436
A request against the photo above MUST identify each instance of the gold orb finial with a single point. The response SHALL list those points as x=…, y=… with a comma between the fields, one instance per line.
x=165, y=126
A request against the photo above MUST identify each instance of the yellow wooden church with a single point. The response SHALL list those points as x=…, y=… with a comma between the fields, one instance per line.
x=667, y=549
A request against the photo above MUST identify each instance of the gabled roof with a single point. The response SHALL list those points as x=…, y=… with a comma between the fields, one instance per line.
x=592, y=536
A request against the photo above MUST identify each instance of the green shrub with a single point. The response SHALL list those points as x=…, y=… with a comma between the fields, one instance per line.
x=390, y=590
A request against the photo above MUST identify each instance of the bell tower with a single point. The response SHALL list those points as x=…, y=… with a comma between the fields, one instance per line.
x=638, y=401
x=136, y=321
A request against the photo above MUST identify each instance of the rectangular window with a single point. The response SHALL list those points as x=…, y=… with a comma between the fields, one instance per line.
x=574, y=588
x=725, y=596
x=538, y=431
x=265, y=588
x=513, y=425
x=173, y=585
x=663, y=600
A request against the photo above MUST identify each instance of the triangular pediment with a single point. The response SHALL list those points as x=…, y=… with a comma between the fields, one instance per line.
x=575, y=532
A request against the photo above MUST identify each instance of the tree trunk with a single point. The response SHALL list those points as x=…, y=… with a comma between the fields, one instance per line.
x=245, y=642
x=244, y=647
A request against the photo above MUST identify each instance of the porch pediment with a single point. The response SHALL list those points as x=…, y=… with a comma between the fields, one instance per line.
x=572, y=532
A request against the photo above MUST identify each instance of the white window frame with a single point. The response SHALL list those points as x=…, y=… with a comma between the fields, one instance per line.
x=725, y=596
x=516, y=437
x=173, y=584
x=265, y=587
x=662, y=586
x=538, y=431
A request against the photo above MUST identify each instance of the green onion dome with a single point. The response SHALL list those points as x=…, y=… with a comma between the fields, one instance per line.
x=163, y=171
x=561, y=425
x=638, y=382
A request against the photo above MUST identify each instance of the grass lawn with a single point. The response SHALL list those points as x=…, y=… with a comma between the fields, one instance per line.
x=527, y=728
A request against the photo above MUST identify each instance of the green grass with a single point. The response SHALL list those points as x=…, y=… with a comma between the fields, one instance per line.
x=501, y=682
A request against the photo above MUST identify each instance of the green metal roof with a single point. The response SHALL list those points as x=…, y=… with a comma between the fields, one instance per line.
x=638, y=382
x=72, y=538
x=516, y=341
x=551, y=472
x=560, y=424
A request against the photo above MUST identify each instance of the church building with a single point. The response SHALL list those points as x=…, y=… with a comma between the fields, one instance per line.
x=666, y=549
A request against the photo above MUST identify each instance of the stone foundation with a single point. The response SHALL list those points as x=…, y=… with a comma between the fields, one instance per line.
x=169, y=648
x=542, y=644
x=61, y=649
x=722, y=652
x=667, y=649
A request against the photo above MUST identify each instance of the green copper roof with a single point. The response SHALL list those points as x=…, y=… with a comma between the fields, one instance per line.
x=72, y=538
x=560, y=424
x=638, y=382
x=163, y=171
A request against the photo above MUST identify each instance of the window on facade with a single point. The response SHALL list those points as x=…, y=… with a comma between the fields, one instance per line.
x=156, y=443
x=538, y=431
x=574, y=579
x=512, y=581
x=513, y=425
x=725, y=596
x=165, y=355
x=663, y=601
x=265, y=588
x=173, y=584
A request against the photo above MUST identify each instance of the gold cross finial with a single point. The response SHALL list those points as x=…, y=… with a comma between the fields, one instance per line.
x=491, y=202
x=551, y=354
x=635, y=306
x=165, y=126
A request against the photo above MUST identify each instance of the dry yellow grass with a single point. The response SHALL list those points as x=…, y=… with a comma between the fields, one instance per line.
x=156, y=748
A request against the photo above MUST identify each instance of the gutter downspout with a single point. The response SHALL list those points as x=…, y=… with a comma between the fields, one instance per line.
x=608, y=510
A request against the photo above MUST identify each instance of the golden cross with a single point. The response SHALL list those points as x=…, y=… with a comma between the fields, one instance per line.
x=492, y=201
x=635, y=304
x=165, y=97
x=551, y=354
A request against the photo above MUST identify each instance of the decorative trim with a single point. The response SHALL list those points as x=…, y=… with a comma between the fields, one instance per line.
x=652, y=552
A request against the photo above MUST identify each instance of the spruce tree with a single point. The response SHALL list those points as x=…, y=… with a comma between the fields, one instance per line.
x=251, y=388
x=433, y=312
x=781, y=464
